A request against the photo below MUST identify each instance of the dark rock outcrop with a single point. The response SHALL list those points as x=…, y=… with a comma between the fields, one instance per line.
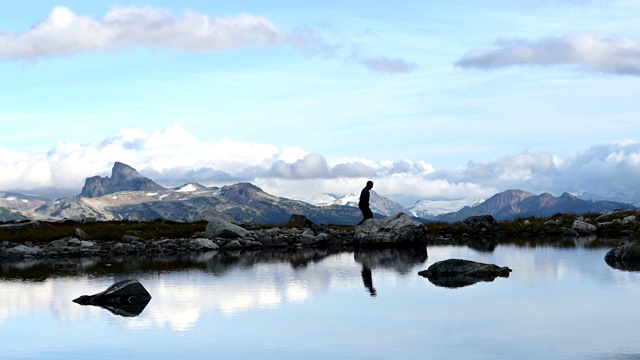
x=125, y=298
x=123, y=178
x=454, y=273
x=625, y=257
x=480, y=222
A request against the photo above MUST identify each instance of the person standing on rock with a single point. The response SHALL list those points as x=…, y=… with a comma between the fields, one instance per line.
x=363, y=204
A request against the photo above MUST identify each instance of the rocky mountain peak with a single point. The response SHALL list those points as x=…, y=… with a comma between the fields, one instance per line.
x=123, y=178
x=121, y=172
x=241, y=193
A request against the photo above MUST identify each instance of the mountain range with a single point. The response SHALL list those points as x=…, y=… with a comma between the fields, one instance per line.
x=511, y=204
x=128, y=195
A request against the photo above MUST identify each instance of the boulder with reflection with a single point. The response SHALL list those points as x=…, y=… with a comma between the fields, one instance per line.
x=455, y=273
x=625, y=257
x=395, y=231
x=124, y=298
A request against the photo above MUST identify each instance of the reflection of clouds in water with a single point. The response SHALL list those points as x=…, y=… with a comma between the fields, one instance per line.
x=180, y=300
x=545, y=263
x=55, y=294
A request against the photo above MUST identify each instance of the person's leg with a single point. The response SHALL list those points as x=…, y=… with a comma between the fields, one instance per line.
x=363, y=209
x=367, y=213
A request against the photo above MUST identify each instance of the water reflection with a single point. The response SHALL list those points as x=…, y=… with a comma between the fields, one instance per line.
x=399, y=260
x=296, y=304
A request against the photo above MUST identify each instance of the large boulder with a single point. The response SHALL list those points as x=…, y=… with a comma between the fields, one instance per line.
x=583, y=227
x=399, y=230
x=301, y=222
x=224, y=229
x=454, y=273
x=480, y=222
x=125, y=298
x=625, y=257
x=22, y=251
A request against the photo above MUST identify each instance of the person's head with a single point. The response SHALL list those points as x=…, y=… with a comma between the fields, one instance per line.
x=369, y=184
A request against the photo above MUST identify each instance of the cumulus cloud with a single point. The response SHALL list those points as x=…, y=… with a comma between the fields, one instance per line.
x=587, y=50
x=63, y=33
x=173, y=156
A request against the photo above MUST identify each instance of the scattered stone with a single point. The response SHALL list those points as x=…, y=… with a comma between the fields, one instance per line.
x=128, y=239
x=299, y=221
x=629, y=220
x=582, y=227
x=204, y=244
x=482, y=221
x=454, y=273
x=125, y=298
x=22, y=251
x=80, y=234
x=233, y=245
x=550, y=223
x=224, y=229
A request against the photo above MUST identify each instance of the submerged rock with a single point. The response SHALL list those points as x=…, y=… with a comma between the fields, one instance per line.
x=125, y=298
x=454, y=273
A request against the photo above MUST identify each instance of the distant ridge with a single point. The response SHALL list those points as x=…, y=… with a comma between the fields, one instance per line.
x=127, y=195
x=513, y=204
x=123, y=178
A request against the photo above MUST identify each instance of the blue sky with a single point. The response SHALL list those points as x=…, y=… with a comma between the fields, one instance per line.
x=431, y=100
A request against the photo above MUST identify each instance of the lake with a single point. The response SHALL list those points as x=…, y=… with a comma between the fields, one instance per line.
x=558, y=303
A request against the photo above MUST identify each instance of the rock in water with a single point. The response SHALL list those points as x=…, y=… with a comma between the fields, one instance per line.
x=625, y=257
x=455, y=273
x=125, y=298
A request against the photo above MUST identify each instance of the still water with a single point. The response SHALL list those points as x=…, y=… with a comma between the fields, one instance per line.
x=558, y=303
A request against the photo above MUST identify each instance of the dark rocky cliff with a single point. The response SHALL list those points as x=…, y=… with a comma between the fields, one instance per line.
x=123, y=178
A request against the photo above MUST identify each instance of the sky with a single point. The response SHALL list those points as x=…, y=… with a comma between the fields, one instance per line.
x=431, y=100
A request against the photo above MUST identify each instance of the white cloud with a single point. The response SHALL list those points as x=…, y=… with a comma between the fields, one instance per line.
x=587, y=50
x=385, y=64
x=63, y=33
x=174, y=156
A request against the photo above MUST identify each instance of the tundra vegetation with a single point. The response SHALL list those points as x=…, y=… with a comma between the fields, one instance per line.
x=610, y=228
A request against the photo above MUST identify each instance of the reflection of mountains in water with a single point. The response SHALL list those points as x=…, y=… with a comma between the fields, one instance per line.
x=400, y=260
x=218, y=263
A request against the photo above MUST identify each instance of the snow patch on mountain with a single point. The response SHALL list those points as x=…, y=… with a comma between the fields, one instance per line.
x=187, y=188
x=427, y=209
x=378, y=204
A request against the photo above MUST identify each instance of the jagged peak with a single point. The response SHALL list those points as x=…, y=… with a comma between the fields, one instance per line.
x=123, y=171
x=123, y=178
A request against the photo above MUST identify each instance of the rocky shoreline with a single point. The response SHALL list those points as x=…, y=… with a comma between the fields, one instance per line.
x=614, y=228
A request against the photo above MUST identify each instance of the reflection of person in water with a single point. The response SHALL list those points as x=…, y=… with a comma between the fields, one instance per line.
x=367, y=279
